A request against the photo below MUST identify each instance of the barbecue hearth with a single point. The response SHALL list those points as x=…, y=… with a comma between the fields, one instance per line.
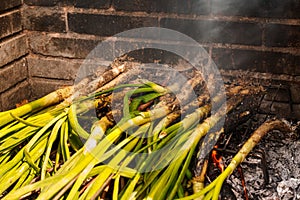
x=50, y=45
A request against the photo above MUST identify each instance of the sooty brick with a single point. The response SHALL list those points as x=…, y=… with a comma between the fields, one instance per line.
x=281, y=63
x=255, y=8
x=217, y=31
x=278, y=35
x=106, y=25
x=63, y=46
x=54, y=68
x=13, y=49
x=288, y=9
x=15, y=95
x=167, y=6
x=13, y=74
x=44, y=19
x=48, y=3
x=10, y=24
x=8, y=4
x=238, y=59
x=103, y=4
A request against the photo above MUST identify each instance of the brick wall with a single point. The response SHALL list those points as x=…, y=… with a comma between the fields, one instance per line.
x=13, y=49
x=262, y=36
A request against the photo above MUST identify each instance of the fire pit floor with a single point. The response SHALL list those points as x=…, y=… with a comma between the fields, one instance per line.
x=278, y=154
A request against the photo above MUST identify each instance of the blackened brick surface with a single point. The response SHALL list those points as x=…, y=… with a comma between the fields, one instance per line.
x=11, y=97
x=5, y=26
x=164, y=53
x=238, y=7
x=16, y=24
x=281, y=63
x=282, y=35
x=236, y=33
x=297, y=68
x=199, y=30
x=45, y=86
x=10, y=23
x=277, y=94
x=13, y=49
x=144, y=55
x=216, y=31
x=7, y=4
x=44, y=19
x=296, y=111
x=270, y=62
x=52, y=68
x=198, y=7
x=106, y=25
x=41, y=2
x=166, y=6
x=257, y=8
x=277, y=108
x=295, y=92
x=12, y=74
x=48, y=2
x=69, y=47
x=238, y=59
x=77, y=3
x=282, y=9
x=103, y=4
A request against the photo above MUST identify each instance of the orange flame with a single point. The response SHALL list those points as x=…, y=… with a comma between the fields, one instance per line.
x=217, y=159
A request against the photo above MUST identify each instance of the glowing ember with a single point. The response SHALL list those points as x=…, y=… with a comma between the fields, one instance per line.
x=217, y=159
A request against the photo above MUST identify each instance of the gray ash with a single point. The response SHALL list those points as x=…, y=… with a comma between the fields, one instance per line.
x=282, y=155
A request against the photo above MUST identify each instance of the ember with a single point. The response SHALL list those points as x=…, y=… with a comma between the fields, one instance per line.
x=217, y=159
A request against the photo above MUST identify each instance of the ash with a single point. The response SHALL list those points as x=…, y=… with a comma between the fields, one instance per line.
x=282, y=156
